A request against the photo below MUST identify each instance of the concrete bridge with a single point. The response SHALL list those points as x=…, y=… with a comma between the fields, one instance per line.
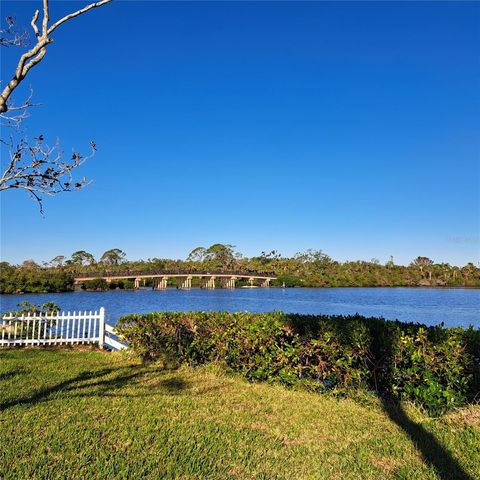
x=208, y=280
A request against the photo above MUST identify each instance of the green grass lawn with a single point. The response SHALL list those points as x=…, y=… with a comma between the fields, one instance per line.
x=89, y=414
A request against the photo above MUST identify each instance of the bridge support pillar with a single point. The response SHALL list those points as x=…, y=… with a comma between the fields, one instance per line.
x=187, y=283
x=266, y=283
x=250, y=281
x=160, y=283
x=230, y=283
x=210, y=283
x=137, y=283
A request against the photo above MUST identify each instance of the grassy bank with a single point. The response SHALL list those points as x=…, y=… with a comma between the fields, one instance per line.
x=73, y=414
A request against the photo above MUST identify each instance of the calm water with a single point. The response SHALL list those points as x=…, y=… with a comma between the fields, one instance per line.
x=454, y=307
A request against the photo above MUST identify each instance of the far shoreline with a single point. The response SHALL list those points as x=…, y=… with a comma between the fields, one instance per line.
x=419, y=287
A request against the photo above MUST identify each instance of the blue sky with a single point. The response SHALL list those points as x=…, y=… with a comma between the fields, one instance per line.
x=347, y=127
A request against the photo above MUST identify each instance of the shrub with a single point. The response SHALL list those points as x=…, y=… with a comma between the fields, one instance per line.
x=122, y=285
x=433, y=366
x=15, y=280
x=429, y=366
x=95, y=284
x=44, y=324
x=26, y=307
x=127, y=285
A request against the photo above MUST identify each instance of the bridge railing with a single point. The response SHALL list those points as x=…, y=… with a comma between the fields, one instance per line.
x=133, y=274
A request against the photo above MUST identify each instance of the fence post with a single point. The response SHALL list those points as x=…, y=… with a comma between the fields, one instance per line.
x=101, y=334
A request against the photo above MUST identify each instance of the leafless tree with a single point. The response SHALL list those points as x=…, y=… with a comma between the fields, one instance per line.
x=34, y=166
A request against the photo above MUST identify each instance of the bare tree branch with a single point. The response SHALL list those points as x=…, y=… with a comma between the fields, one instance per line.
x=33, y=23
x=76, y=14
x=41, y=170
x=17, y=113
x=46, y=17
x=35, y=167
x=11, y=36
x=34, y=56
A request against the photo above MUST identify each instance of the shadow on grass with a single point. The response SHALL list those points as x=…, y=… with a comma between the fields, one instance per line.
x=106, y=382
x=174, y=385
x=433, y=453
x=10, y=374
x=75, y=384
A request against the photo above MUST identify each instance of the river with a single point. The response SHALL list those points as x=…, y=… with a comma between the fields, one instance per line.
x=453, y=307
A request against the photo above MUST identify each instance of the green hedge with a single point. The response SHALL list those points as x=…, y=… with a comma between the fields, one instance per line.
x=434, y=366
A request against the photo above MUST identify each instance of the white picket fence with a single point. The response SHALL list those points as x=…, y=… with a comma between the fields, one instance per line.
x=61, y=328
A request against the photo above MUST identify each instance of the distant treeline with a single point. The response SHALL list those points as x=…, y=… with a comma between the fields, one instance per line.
x=312, y=268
